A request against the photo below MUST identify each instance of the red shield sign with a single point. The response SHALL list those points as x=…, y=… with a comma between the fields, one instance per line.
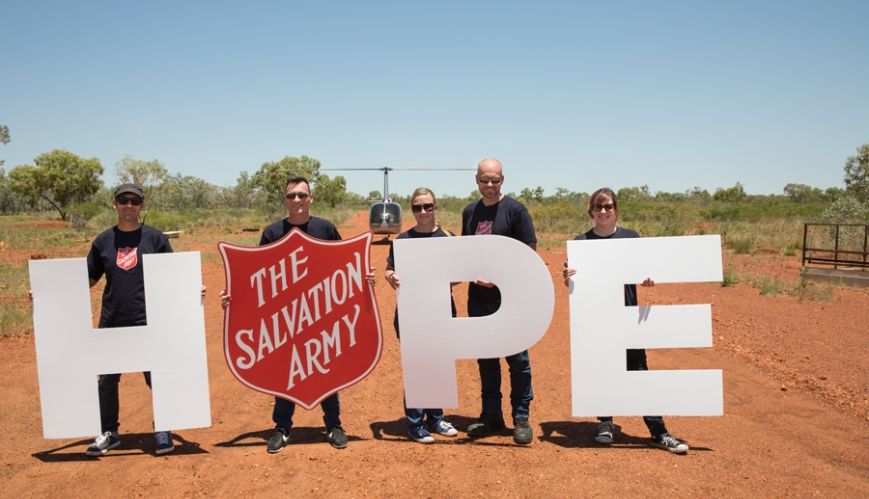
x=303, y=320
x=127, y=258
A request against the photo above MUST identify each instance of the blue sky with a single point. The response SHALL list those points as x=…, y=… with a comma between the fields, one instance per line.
x=567, y=94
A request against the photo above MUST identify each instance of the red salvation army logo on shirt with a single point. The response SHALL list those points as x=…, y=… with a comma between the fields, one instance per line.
x=303, y=321
x=484, y=227
x=126, y=258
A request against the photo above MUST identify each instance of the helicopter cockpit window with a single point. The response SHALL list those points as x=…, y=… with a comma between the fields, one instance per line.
x=385, y=215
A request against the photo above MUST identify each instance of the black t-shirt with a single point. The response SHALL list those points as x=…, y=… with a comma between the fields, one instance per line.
x=620, y=233
x=314, y=227
x=118, y=255
x=390, y=263
x=507, y=217
x=413, y=234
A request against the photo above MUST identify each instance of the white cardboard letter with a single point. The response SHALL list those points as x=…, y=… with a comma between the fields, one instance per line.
x=602, y=328
x=432, y=341
x=70, y=353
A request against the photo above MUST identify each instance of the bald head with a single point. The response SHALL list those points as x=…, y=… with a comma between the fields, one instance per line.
x=490, y=176
x=490, y=165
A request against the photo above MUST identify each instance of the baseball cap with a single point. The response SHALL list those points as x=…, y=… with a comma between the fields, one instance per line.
x=129, y=188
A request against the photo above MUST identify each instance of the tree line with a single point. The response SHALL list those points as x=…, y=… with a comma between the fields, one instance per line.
x=71, y=185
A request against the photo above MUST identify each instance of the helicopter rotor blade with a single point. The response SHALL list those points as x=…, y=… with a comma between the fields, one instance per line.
x=389, y=169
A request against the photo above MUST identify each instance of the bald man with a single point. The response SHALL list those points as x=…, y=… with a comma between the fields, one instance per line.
x=501, y=215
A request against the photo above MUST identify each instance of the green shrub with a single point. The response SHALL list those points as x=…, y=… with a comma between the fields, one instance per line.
x=741, y=246
x=81, y=213
x=731, y=278
x=810, y=291
x=770, y=286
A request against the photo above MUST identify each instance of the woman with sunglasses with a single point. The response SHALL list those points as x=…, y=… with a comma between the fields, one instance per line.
x=603, y=208
x=421, y=423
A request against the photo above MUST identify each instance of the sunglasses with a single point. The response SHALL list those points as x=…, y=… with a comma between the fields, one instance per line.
x=602, y=207
x=417, y=208
x=493, y=181
x=133, y=200
x=297, y=195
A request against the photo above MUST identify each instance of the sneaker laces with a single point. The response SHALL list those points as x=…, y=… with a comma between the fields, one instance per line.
x=669, y=440
x=102, y=439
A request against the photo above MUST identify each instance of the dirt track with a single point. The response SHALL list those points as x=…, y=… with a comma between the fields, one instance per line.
x=796, y=417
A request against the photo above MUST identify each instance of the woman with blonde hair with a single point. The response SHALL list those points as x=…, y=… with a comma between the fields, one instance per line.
x=421, y=423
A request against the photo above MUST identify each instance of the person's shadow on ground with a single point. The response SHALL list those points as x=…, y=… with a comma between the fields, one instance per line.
x=132, y=444
x=580, y=434
x=299, y=435
x=396, y=431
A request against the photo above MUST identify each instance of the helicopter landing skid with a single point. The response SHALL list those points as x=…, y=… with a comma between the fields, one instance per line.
x=385, y=240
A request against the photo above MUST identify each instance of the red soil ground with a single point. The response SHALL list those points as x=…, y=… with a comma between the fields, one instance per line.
x=796, y=416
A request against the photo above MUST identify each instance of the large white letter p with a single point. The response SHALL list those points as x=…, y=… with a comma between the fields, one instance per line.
x=431, y=341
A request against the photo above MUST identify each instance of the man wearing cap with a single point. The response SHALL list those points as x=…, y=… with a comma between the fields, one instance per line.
x=117, y=254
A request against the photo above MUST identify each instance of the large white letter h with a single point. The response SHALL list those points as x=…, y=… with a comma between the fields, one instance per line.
x=70, y=353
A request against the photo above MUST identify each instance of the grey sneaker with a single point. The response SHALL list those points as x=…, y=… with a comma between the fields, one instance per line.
x=522, y=433
x=670, y=443
x=337, y=437
x=443, y=428
x=104, y=443
x=164, y=442
x=486, y=425
x=278, y=440
x=604, y=433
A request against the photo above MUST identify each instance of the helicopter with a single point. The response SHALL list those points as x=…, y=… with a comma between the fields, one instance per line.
x=384, y=216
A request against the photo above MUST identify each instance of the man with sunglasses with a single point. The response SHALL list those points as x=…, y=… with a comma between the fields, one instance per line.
x=117, y=254
x=501, y=215
x=297, y=200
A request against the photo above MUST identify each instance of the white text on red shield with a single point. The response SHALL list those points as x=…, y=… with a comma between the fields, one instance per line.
x=307, y=307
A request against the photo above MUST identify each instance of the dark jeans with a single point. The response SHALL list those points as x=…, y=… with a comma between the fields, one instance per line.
x=521, y=394
x=636, y=360
x=417, y=417
x=282, y=414
x=109, y=405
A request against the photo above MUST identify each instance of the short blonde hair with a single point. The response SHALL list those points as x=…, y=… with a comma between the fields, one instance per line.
x=422, y=191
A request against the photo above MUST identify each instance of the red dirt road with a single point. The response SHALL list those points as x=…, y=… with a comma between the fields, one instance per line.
x=796, y=417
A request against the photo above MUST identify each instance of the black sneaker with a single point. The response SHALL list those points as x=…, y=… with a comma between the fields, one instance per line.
x=522, y=433
x=164, y=443
x=104, y=443
x=486, y=425
x=670, y=443
x=604, y=433
x=278, y=440
x=337, y=437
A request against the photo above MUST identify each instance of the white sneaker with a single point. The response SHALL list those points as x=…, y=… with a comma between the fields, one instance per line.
x=104, y=443
x=444, y=428
x=670, y=443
